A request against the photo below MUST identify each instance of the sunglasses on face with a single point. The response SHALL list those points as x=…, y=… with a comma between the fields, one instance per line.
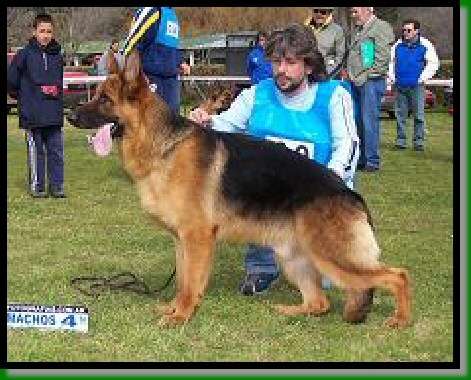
x=321, y=11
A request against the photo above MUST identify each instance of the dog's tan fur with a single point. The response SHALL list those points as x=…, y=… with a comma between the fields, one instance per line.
x=180, y=188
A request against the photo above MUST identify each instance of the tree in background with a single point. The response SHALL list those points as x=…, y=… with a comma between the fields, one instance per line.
x=78, y=24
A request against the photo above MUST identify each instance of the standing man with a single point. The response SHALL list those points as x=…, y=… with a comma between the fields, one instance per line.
x=367, y=67
x=329, y=36
x=413, y=61
x=258, y=67
x=156, y=35
x=298, y=109
x=35, y=79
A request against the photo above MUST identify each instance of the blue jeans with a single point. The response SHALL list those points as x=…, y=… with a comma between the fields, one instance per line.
x=411, y=98
x=371, y=93
x=168, y=89
x=260, y=259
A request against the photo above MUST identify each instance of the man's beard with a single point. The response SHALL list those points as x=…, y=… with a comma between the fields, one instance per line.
x=292, y=84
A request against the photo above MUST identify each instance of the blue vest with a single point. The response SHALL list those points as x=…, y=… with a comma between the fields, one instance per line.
x=305, y=130
x=409, y=63
x=168, y=34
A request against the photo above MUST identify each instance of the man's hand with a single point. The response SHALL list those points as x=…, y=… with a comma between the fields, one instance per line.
x=185, y=68
x=199, y=116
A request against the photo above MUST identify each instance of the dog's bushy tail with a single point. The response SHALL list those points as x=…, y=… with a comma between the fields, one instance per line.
x=364, y=206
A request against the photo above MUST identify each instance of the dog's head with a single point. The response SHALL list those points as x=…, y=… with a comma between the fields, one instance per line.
x=123, y=95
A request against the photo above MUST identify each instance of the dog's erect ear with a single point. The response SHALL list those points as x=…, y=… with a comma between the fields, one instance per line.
x=111, y=64
x=132, y=68
x=132, y=73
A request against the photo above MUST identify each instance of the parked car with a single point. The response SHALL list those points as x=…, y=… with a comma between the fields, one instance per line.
x=387, y=101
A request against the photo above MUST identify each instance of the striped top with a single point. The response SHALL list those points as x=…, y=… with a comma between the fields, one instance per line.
x=145, y=17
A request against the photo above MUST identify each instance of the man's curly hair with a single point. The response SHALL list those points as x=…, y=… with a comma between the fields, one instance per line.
x=298, y=40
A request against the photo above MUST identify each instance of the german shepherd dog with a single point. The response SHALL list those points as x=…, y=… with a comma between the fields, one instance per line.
x=204, y=186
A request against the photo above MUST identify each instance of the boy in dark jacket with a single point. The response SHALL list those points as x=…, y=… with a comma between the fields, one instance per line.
x=35, y=79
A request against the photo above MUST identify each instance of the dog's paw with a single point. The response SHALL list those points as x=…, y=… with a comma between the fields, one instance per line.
x=397, y=322
x=164, y=308
x=291, y=310
x=173, y=320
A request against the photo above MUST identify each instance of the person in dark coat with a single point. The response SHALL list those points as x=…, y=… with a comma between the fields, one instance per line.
x=35, y=79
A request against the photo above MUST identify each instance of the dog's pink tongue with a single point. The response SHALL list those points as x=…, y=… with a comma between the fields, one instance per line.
x=102, y=141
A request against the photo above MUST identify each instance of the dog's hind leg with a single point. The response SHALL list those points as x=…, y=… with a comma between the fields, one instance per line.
x=300, y=271
x=357, y=305
x=349, y=255
x=197, y=245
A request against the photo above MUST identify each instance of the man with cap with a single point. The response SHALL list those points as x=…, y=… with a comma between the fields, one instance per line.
x=329, y=36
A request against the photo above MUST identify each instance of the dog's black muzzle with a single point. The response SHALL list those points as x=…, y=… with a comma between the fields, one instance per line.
x=79, y=122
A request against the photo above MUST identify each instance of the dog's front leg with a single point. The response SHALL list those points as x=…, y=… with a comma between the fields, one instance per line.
x=197, y=245
x=169, y=308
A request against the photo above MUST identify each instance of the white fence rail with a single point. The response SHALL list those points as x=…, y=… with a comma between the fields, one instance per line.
x=239, y=79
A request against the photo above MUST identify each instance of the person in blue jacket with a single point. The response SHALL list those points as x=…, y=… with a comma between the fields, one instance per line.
x=156, y=35
x=300, y=109
x=413, y=61
x=258, y=66
x=34, y=78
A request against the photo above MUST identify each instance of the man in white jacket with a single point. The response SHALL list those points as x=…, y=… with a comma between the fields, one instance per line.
x=413, y=61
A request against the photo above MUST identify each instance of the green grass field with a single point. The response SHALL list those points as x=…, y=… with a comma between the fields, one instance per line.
x=100, y=230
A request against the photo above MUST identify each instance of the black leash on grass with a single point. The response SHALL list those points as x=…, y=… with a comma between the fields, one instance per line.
x=127, y=281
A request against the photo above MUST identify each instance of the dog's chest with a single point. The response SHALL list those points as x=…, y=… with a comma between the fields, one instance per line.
x=151, y=191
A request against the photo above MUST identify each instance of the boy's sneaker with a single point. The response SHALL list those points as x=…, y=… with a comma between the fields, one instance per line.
x=56, y=192
x=257, y=283
x=38, y=194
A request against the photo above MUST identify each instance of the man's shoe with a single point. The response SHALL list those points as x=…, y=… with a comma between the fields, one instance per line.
x=257, y=283
x=419, y=148
x=56, y=192
x=370, y=169
x=400, y=147
x=38, y=194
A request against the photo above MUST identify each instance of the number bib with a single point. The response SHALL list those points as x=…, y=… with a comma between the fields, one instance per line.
x=304, y=148
x=172, y=29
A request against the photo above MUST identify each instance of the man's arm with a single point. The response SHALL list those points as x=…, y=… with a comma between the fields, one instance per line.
x=344, y=134
x=432, y=62
x=391, y=69
x=339, y=47
x=14, y=72
x=384, y=39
